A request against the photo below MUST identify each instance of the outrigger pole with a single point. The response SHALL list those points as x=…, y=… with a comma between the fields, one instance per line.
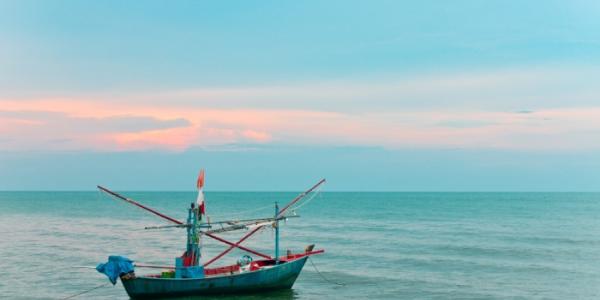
x=300, y=197
x=314, y=187
x=177, y=222
x=139, y=205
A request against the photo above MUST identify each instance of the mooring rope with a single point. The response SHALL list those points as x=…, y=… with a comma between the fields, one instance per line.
x=86, y=291
x=323, y=276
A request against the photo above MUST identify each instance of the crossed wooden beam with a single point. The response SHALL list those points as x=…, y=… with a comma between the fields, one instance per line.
x=231, y=245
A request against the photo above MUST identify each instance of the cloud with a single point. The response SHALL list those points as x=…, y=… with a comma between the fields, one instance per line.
x=464, y=111
x=34, y=129
x=123, y=123
x=525, y=111
x=179, y=129
x=465, y=123
x=258, y=136
x=516, y=89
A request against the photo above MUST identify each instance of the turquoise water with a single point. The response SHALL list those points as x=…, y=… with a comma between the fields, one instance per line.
x=380, y=245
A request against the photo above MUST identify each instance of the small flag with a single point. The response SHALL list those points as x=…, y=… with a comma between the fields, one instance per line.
x=200, y=199
x=200, y=182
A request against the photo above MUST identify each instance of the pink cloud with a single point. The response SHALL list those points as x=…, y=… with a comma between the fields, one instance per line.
x=6, y=124
x=256, y=136
x=177, y=139
x=543, y=129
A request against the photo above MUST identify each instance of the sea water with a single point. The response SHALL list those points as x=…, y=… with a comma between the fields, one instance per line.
x=377, y=245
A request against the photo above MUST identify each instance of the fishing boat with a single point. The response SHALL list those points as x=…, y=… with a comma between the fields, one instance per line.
x=192, y=276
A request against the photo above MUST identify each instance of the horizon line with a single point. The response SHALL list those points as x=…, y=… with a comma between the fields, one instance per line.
x=329, y=191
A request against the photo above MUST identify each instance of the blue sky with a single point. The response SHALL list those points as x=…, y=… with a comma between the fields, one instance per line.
x=272, y=95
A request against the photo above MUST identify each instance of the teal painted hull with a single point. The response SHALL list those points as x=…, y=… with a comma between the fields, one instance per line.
x=277, y=277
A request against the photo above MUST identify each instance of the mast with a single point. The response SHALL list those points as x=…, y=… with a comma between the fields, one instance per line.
x=276, y=233
x=191, y=257
x=199, y=211
x=196, y=236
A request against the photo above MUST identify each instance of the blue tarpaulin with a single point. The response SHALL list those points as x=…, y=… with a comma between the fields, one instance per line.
x=115, y=266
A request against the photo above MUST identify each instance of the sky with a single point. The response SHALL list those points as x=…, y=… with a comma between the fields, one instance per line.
x=274, y=95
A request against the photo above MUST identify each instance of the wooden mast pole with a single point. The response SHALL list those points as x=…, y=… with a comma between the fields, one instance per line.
x=139, y=205
x=314, y=187
x=179, y=222
x=276, y=234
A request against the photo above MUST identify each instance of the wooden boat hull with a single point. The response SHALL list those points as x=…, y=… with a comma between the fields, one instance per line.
x=277, y=277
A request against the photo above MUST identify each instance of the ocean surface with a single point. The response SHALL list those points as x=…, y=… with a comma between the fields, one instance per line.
x=378, y=245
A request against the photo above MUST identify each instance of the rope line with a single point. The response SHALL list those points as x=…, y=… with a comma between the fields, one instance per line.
x=323, y=276
x=86, y=291
x=243, y=212
x=309, y=199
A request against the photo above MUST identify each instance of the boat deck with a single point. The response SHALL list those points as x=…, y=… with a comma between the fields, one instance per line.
x=254, y=266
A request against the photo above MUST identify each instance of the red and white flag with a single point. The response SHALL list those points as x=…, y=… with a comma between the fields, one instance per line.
x=200, y=199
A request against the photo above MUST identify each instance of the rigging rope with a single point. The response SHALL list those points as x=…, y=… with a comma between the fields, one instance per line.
x=86, y=291
x=244, y=212
x=308, y=200
x=323, y=276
